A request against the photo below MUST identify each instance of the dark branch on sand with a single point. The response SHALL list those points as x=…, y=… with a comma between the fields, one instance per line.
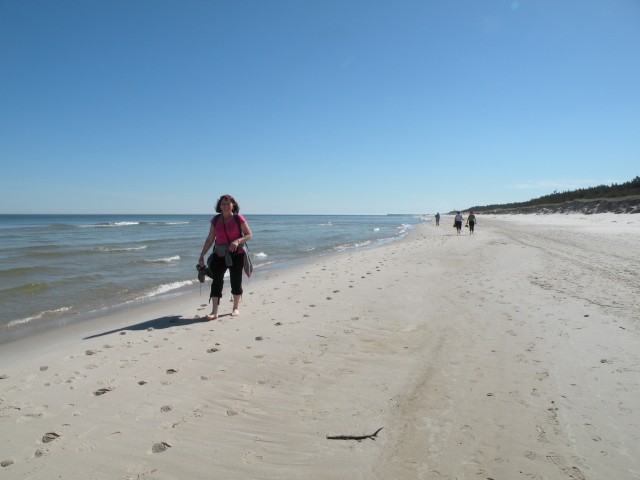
x=355, y=437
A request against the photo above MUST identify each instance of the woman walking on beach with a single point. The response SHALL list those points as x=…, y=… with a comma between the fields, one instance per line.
x=458, y=222
x=471, y=222
x=228, y=231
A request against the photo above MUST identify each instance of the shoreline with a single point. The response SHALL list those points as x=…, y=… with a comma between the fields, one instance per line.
x=25, y=329
x=506, y=354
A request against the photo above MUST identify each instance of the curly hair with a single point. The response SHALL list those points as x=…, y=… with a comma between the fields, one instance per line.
x=236, y=206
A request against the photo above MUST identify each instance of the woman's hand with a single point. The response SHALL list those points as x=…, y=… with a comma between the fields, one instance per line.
x=201, y=261
x=234, y=245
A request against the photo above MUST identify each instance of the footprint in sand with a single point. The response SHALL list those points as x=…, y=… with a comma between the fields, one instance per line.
x=516, y=396
x=542, y=375
x=50, y=437
x=87, y=446
x=572, y=472
x=591, y=430
x=542, y=435
x=102, y=391
x=251, y=458
x=160, y=447
x=467, y=432
x=29, y=416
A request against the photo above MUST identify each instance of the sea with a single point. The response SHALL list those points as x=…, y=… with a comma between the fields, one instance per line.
x=59, y=269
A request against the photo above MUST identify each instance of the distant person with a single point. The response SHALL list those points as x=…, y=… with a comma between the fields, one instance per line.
x=457, y=222
x=437, y=219
x=227, y=232
x=471, y=222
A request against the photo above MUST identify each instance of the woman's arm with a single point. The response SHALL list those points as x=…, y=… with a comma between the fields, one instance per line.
x=246, y=231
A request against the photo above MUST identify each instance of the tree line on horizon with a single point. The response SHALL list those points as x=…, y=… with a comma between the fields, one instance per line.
x=613, y=191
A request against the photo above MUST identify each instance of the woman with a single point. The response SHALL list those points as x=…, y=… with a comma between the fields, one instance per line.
x=228, y=231
x=457, y=222
x=471, y=222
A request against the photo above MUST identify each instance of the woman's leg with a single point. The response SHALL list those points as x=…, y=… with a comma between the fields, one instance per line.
x=218, y=268
x=235, y=276
x=236, y=305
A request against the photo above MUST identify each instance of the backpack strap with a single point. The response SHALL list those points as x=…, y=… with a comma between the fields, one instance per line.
x=236, y=217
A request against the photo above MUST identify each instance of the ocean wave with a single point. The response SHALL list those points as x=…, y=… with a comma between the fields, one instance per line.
x=118, y=249
x=167, y=287
x=346, y=246
x=175, y=258
x=164, y=223
x=44, y=251
x=48, y=254
x=403, y=229
x=109, y=224
x=22, y=321
x=28, y=289
x=76, y=280
x=258, y=265
x=11, y=272
x=259, y=255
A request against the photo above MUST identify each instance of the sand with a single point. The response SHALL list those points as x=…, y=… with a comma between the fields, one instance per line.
x=512, y=353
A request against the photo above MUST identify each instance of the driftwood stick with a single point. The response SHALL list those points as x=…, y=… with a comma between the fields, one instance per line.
x=355, y=437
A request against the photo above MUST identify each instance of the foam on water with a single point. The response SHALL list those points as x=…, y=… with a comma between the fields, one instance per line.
x=119, y=249
x=24, y=321
x=168, y=287
x=172, y=259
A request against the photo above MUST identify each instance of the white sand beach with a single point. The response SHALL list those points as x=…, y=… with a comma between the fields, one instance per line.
x=512, y=353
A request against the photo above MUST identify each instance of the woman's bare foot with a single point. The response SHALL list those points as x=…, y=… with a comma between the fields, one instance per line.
x=235, y=312
x=211, y=316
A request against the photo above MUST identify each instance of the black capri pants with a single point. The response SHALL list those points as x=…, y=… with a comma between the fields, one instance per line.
x=218, y=267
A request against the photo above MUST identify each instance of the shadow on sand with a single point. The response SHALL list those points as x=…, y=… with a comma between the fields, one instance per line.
x=156, y=324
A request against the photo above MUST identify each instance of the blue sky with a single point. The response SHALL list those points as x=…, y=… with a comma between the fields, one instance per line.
x=319, y=107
